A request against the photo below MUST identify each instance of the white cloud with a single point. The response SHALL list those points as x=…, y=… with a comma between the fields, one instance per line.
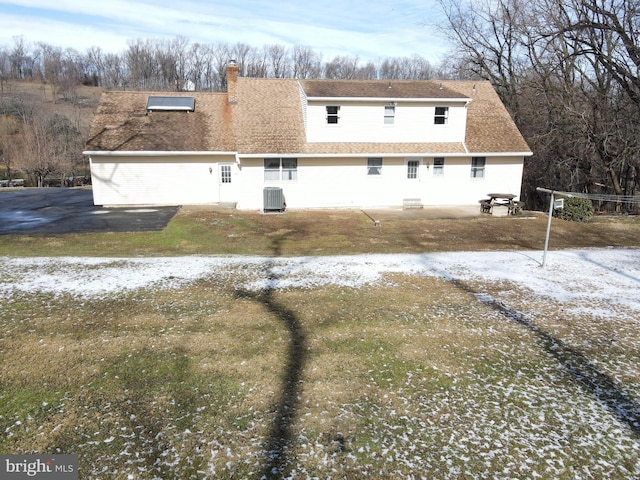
x=369, y=30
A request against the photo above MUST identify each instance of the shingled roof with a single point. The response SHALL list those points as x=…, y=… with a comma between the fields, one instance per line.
x=267, y=118
x=122, y=123
x=379, y=89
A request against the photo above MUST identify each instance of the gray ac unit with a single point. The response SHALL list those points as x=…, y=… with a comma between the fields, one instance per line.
x=273, y=199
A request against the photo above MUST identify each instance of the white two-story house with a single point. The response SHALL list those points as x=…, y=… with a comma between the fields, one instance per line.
x=310, y=143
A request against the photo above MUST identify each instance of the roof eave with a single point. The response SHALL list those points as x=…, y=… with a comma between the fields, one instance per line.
x=390, y=99
x=151, y=153
x=378, y=154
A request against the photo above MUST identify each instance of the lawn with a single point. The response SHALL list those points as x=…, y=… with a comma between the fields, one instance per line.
x=404, y=365
x=328, y=232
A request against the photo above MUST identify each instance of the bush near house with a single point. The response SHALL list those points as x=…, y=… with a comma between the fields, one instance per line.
x=575, y=209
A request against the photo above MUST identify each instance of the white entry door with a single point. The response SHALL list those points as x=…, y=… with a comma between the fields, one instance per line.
x=225, y=182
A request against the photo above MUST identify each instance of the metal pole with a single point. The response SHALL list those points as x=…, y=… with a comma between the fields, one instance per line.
x=546, y=240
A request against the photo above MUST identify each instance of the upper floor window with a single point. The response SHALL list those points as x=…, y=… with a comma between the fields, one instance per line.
x=438, y=166
x=280, y=169
x=389, y=114
x=477, y=167
x=442, y=116
x=332, y=113
x=374, y=166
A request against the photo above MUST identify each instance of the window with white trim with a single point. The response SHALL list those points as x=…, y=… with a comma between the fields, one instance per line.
x=389, y=114
x=332, y=113
x=374, y=166
x=280, y=169
x=442, y=116
x=225, y=173
x=477, y=167
x=412, y=169
x=438, y=166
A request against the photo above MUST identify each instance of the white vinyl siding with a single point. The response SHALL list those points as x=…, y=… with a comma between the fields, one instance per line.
x=342, y=182
x=413, y=122
x=156, y=180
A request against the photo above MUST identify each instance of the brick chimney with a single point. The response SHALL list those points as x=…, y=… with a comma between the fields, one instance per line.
x=232, y=82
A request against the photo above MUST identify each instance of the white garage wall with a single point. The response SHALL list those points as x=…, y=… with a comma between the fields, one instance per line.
x=150, y=180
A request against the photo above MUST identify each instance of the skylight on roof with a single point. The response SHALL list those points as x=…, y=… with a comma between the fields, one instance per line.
x=180, y=104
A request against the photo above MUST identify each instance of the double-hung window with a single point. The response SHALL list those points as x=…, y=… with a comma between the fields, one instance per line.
x=374, y=166
x=438, y=166
x=477, y=167
x=442, y=116
x=280, y=169
x=332, y=113
x=389, y=114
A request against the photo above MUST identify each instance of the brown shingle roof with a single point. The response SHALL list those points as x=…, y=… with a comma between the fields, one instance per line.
x=382, y=148
x=378, y=89
x=268, y=118
x=121, y=123
x=490, y=128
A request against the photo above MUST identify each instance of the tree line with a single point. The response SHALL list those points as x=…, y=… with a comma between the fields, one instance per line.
x=177, y=64
x=567, y=71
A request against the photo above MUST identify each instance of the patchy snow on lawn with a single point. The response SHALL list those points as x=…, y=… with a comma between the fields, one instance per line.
x=605, y=278
x=571, y=413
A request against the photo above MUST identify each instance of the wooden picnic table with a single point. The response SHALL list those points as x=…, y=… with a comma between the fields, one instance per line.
x=500, y=200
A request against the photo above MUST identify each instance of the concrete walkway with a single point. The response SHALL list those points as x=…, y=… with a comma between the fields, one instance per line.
x=394, y=213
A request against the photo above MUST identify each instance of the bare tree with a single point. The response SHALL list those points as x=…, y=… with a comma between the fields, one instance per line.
x=490, y=39
x=342, y=68
x=306, y=63
x=8, y=139
x=278, y=61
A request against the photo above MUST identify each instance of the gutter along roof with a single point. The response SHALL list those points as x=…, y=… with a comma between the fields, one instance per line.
x=267, y=120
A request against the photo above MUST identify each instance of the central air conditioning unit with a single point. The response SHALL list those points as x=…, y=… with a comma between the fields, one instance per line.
x=273, y=199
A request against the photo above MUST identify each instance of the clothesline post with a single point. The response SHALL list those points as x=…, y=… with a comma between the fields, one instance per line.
x=546, y=240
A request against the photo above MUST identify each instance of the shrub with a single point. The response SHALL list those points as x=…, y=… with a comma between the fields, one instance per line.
x=575, y=209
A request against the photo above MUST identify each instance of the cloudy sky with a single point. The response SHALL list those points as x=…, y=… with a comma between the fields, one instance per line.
x=369, y=29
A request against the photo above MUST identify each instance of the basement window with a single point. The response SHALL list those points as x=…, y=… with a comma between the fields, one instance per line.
x=156, y=103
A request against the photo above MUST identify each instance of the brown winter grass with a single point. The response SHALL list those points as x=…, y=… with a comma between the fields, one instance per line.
x=151, y=383
x=191, y=383
x=329, y=232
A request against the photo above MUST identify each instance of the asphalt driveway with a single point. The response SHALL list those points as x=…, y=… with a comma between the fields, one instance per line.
x=46, y=211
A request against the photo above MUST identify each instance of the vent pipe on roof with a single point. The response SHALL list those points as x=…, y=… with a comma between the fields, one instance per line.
x=232, y=82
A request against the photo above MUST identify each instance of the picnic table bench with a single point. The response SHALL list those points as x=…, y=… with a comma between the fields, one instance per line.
x=501, y=202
